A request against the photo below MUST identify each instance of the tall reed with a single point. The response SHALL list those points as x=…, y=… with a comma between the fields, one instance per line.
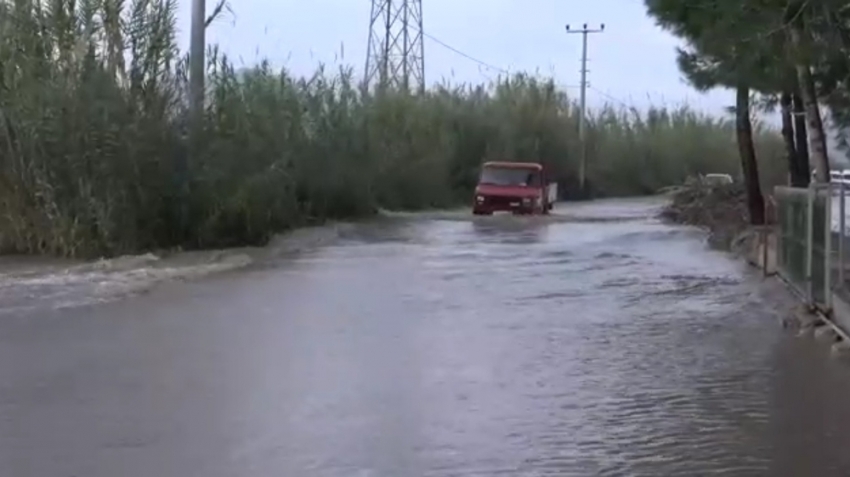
x=93, y=123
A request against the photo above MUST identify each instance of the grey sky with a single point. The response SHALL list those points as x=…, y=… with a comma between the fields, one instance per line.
x=633, y=61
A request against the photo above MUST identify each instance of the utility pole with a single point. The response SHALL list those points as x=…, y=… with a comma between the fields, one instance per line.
x=582, y=171
x=197, y=66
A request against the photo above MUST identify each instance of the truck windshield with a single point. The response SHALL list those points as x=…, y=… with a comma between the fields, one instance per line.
x=505, y=176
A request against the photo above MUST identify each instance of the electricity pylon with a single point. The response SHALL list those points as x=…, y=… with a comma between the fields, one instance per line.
x=396, y=53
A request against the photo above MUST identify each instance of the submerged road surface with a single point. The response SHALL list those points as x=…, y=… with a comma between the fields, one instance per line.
x=600, y=342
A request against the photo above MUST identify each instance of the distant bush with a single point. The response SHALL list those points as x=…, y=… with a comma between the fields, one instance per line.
x=93, y=124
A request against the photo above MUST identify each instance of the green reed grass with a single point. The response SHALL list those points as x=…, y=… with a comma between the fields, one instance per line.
x=93, y=99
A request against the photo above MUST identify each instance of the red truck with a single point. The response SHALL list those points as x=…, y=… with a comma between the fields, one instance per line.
x=517, y=187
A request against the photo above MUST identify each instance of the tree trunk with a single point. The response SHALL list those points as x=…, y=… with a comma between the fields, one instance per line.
x=747, y=151
x=814, y=123
x=801, y=137
x=798, y=176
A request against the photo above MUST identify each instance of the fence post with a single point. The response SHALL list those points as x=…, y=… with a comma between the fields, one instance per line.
x=841, y=225
x=810, y=208
x=764, y=242
x=827, y=255
x=765, y=234
x=781, y=221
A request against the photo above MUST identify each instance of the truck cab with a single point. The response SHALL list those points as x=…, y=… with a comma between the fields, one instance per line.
x=516, y=187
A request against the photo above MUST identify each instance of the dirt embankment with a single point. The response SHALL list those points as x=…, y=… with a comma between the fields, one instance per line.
x=720, y=209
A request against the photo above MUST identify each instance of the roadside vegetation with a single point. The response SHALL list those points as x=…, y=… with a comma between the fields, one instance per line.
x=720, y=209
x=93, y=120
x=790, y=55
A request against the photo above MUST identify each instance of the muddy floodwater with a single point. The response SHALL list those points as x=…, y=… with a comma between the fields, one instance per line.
x=595, y=342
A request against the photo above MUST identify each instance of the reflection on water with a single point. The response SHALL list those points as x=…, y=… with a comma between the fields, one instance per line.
x=512, y=230
x=437, y=347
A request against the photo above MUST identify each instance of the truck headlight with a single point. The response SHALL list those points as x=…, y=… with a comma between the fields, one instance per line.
x=479, y=198
x=526, y=201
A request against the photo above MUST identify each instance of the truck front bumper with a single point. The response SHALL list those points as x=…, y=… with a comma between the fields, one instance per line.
x=487, y=205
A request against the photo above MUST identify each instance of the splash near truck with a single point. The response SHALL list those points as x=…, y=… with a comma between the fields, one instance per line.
x=517, y=187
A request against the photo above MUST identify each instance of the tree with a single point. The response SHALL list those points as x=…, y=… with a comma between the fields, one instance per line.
x=749, y=165
x=801, y=50
x=795, y=137
x=829, y=47
x=719, y=56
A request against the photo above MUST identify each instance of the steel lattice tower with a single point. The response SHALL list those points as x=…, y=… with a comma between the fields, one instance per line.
x=396, y=53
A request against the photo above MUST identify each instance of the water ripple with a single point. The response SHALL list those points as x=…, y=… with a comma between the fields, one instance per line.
x=439, y=347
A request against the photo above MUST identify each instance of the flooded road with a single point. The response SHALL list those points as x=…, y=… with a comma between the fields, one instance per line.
x=599, y=342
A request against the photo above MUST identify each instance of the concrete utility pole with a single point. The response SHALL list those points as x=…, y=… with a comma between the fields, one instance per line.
x=582, y=172
x=196, y=67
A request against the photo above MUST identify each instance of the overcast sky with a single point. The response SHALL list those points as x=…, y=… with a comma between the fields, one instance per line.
x=632, y=62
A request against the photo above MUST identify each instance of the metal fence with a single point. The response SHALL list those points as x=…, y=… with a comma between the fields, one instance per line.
x=804, y=254
x=840, y=234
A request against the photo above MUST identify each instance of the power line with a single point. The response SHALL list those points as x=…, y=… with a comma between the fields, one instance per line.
x=500, y=69
x=480, y=62
x=505, y=71
x=465, y=55
x=608, y=96
x=625, y=104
